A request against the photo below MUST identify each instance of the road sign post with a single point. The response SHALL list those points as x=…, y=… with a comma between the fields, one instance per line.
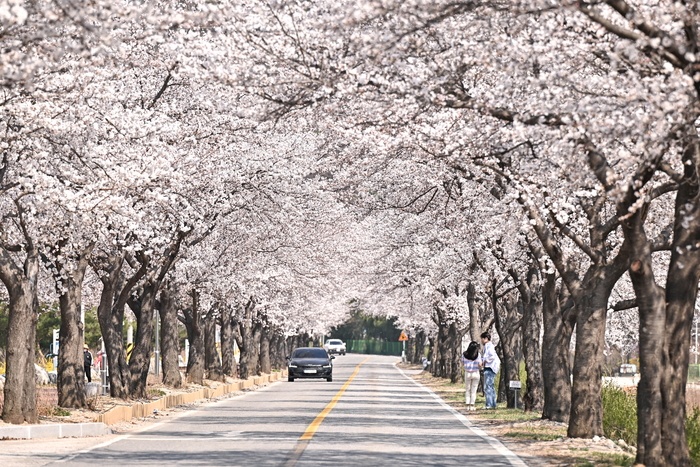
x=515, y=386
x=403, y=338
x=54, y=349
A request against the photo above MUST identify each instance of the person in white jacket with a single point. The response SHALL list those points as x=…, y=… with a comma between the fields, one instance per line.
x=492, y=365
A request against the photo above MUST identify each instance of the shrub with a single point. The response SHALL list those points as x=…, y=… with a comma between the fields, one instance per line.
x=156, y=393
x=619, y=414
x=692, y=433
x=522, y=376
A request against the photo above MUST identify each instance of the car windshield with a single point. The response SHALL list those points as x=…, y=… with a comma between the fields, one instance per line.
x=309, y=353
x=334, y=342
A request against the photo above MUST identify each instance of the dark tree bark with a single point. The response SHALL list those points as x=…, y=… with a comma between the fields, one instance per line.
x=440, y=347
x=192, y=320
x=228, y=361
x=212, y=362
x=508, y=324
x=420, y=347
x=139, y=363
x=265, y=362
x=590, y=295
x=665, y=316
x=278, y=351
x=531, y=297
x=410, y=348
x=71, y=371
x=474, y=321
x=456, y=335
x=558, y=319
x=169, y=338
x=432, y=350
x=20, y=383
x=249, y=343
x=110, y=313
x=143, y=306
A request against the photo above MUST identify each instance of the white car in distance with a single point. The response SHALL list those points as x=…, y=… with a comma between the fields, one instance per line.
x=334, y=346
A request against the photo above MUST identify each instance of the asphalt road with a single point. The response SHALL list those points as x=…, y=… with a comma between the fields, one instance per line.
x=371, y=414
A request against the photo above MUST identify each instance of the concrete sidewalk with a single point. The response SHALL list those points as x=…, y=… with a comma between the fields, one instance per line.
x=58, y=430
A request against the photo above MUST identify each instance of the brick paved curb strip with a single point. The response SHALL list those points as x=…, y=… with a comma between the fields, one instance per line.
x=127, y=412
x=61, y=430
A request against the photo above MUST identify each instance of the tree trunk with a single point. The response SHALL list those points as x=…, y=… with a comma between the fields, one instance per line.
x=590, y=295
x=410, y=349
x=532, y=351
x=420, y=347
x=140, y=361
x=169, y=339
x=456, y=336
x=432, y=352
x=71, y=371
x=265, y=365
x=69, y=272
x=228, y=361
x=110, y=314
x=508, y=325
x=679, y=303
x=278, y=351
x=474, y=322
x=249, y=343
x=20, y=383
x=195, y=333
x=558, y=328
x=586, y=418
x=211, y=356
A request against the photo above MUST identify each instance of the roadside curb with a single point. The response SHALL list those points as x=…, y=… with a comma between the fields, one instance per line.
x=59, y=430
x=127, y=412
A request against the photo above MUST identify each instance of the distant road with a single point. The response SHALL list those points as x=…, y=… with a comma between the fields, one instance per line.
x=380, y=417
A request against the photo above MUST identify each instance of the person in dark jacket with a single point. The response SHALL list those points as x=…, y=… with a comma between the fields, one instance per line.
x=87, y=362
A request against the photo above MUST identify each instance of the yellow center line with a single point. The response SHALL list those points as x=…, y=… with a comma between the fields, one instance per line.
x=311, y=430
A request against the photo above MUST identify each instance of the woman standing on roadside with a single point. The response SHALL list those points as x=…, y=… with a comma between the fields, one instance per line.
x=472, y=364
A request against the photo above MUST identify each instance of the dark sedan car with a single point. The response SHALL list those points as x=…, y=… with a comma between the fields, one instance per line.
x=310, y=362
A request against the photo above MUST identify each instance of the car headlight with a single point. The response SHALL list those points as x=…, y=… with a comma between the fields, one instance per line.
x=326, y=366
x=292, y=366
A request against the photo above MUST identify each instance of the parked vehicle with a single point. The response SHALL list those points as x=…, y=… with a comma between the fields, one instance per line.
x=334, y=346
x=310, y=362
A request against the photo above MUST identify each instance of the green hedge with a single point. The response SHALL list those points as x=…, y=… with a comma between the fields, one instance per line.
x=374, y=347
x=694, y=372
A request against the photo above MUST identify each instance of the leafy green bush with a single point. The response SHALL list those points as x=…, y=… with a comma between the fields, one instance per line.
x=522, y=376
x=692, y=433
x=619, y=415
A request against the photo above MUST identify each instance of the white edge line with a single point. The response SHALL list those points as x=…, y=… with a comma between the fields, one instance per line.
x=149, y=427
x=495, y=443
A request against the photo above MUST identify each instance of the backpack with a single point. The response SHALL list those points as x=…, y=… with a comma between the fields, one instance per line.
x=472, y=351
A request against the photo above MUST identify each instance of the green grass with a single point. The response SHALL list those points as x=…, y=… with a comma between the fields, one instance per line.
x=535, y=434
x=502, y=413
x=156, y=393
x=448, y=384
x=59, y=412
x=600, y=459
